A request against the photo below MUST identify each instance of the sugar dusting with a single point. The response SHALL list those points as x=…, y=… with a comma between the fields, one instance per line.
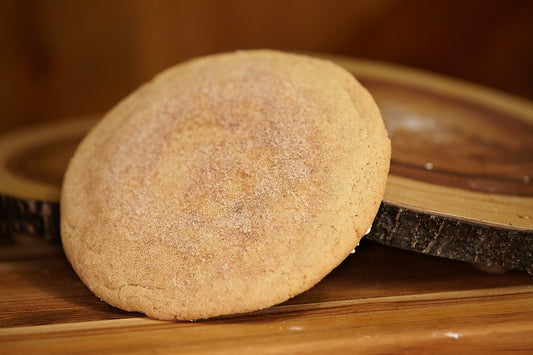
x=224, y=164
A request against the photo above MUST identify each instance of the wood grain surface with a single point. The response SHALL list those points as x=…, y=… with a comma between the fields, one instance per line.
x=379, y=300
x=459, y=187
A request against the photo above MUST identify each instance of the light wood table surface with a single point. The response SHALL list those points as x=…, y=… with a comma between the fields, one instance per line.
x=380, y=300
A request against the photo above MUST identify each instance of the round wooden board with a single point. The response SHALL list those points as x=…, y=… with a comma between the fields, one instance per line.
x=459, y=185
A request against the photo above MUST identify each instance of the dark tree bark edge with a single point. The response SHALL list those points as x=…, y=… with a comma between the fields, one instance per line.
x=451, y=238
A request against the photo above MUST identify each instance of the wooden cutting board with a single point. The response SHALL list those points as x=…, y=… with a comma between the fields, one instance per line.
x=459, y=186
x=379, y=300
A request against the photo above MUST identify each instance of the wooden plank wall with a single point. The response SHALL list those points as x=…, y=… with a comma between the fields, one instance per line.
x=66, y=58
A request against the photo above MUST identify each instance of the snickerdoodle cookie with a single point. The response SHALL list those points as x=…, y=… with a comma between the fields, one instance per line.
x=227, y=184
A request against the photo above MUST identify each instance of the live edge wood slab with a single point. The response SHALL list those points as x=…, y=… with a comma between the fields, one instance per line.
x=459, y=186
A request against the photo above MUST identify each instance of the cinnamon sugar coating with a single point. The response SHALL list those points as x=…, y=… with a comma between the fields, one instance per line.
x=227, y=184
